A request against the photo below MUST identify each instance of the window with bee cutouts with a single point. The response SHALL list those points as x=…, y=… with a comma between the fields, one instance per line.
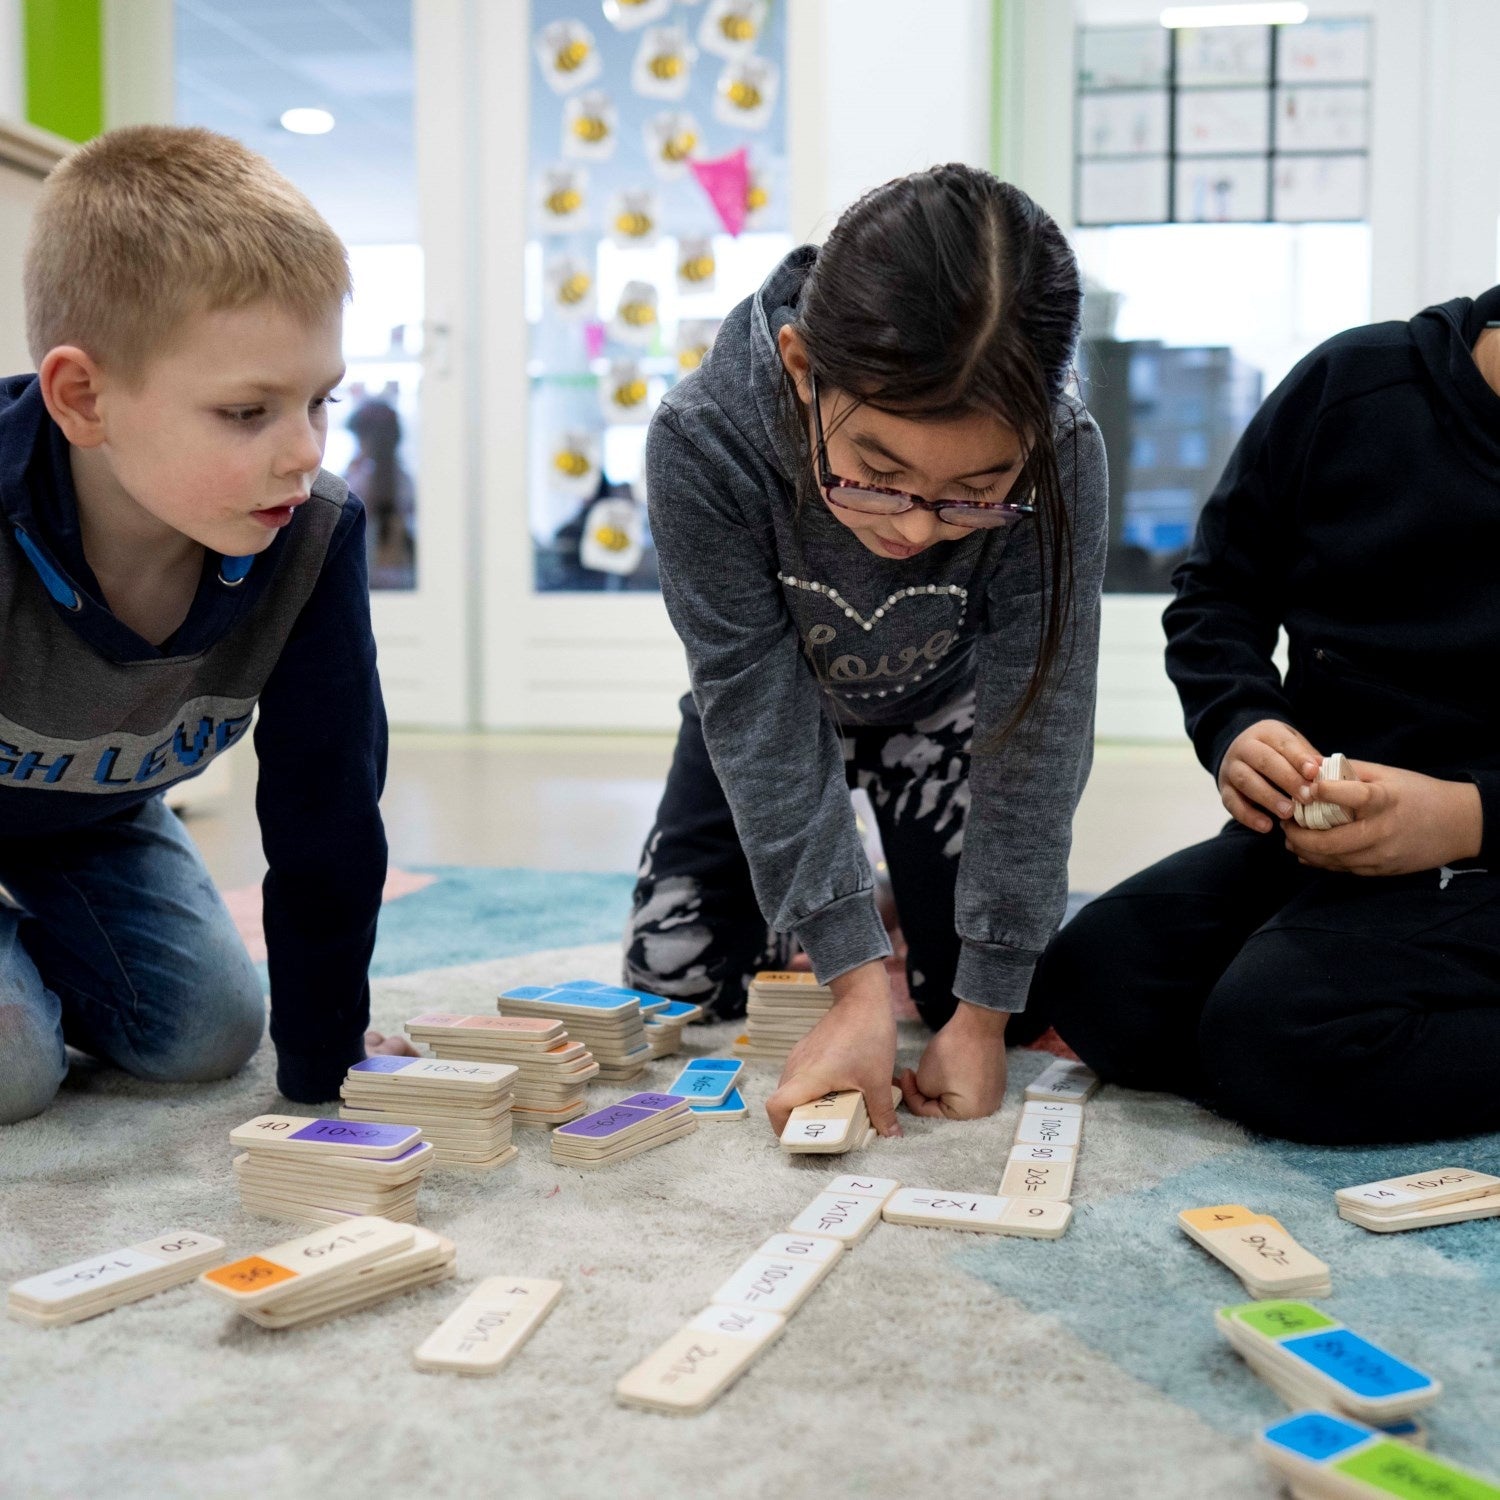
x=658, y=201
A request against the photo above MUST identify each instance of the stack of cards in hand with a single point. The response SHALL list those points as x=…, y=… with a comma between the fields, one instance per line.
x=836, y=1122
x=103, y=1282
x=1258, y=1250
x=783, y=1006
x=1445, y=1195
x=1321, y=816
x=1318, y=1455
x=331, y=1272
x=606, y=1020
x=1310, y=1359
x=327, y=1171
x=635, y=1124
x=554, y=1068
x=463, y=1108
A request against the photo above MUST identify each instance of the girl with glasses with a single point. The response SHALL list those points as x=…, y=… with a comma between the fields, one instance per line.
x=880, y=519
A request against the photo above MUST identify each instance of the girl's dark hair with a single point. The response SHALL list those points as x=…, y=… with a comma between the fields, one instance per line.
x=946, y=293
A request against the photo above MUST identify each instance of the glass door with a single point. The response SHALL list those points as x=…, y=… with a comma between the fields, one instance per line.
x=356, y=104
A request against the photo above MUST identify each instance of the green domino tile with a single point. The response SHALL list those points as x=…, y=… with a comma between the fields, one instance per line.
x=1410, y=1474
x=1278, y=1319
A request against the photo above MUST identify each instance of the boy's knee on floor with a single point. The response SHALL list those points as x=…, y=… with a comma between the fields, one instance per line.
x=212, y=1038
x=33, y=1065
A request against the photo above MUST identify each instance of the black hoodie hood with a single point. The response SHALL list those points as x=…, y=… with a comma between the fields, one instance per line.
x=1445, y=336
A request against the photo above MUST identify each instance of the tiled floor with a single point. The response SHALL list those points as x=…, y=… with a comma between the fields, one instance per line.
x=585, y=802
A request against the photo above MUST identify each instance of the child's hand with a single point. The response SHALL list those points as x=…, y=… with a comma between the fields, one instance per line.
x=852, y=1047
x=1403, y=822
x=962, y=1072
x=1261, y=772
x=377, y=1044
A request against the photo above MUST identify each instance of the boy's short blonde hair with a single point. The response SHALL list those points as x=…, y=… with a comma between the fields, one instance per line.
x=147, y=225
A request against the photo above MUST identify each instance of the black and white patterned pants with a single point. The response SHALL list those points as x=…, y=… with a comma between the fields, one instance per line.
x=695, y=930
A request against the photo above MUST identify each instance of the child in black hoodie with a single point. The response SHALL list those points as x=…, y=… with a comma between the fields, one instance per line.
x=1338, y=986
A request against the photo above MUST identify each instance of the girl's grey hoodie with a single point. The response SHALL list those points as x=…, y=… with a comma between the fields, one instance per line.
x=794, y=628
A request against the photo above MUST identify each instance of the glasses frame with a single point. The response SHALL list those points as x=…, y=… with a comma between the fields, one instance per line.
x=828, y=482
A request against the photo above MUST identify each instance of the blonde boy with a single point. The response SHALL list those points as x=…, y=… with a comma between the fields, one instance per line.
x=172, y=555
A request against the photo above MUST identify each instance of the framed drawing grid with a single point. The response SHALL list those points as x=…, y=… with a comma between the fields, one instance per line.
x=1225, y=124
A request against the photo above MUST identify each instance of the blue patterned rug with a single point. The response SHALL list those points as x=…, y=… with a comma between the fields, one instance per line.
x=1125, y=1281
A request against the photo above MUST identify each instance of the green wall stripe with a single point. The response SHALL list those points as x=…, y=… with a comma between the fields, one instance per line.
x=65, y=67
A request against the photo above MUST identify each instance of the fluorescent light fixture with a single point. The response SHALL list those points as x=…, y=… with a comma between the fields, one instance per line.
x=1273, y=14
x=307, y=121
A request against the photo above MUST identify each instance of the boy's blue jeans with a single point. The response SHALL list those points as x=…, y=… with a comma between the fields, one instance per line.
x=122, y=948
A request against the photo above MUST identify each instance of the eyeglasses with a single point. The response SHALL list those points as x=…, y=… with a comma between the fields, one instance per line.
x=876, y=500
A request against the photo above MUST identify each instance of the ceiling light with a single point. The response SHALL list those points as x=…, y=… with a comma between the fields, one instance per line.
x=1274, y=14
x=307, y=121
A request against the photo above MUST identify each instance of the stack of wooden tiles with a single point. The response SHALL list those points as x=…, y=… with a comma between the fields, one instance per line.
x=553, y=1068
x=334, y=1271
x=328, y=1171
x=639, y=1123
x=783, y=1006
x=1443, y=1195
x=463, y=1107
x=605, y=1019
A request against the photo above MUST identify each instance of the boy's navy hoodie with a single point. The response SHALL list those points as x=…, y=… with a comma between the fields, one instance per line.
x=1361, y=511
x=94, y=720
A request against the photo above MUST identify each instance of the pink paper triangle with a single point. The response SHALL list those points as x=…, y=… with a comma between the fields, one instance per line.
x=727, y=183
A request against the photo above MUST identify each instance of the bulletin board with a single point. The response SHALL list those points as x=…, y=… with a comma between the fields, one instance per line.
x=1224, y=124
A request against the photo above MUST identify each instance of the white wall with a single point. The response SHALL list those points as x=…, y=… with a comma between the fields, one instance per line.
x=878, y=90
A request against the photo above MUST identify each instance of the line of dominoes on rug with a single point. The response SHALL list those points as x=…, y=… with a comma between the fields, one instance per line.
x=486, y=1329
x=781, y=1008
x=980, y=1213
x=1069, y=1081
x=1049, y=1135
x=638, y=1123
x=847, y=1209
x=700, y=1362
x=333, y=1271
x=104, y=1282
x=605, y=1018
x=1315, y=1359
x=462, y=1107
x=554, y=1068
x=750, y=1308
x=1444, y=1195
x=1258, y=1249
x=835, y=1123
x=1319, y=1454
x=316, y=1171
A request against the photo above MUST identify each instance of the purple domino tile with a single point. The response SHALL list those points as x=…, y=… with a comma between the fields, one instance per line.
x=656, y=1103
x=383, y=1064
x=606, y=1122
x=354, y=1133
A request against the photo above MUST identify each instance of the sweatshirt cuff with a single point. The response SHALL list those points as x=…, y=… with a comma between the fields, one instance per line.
x=1488, y=783
x=843, y=935
x=993, y=976
x=316, y=1077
